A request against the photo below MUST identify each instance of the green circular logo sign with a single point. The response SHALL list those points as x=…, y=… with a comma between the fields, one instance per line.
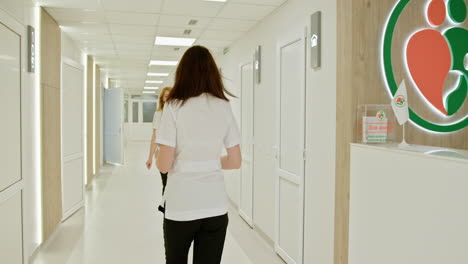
x=446, y=52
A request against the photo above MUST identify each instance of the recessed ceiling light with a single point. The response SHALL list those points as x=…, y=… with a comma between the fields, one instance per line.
x=167, y=41
x=158, y=74
x=154, y=81
x=151, y=88
x=149, y=92
x=163, y=63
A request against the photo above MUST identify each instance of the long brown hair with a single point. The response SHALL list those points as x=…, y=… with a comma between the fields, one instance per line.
x=196, y=74
x=161, y=102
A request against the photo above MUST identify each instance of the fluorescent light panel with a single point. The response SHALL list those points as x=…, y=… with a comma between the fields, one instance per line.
x=159, y=74
x=163, y=63
x=151, y=88
x=149, y=92
x=168, y=41
x=154, y=81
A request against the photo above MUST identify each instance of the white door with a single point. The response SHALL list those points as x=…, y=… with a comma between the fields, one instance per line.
x=11, y=180
x=72, y=137
x=113, y=124
x=247, y=130
x=291, y=62
x=140, y=122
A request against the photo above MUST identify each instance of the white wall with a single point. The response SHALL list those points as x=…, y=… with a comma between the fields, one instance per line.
x=71, y=50
x=26, y=13
x=321, y=123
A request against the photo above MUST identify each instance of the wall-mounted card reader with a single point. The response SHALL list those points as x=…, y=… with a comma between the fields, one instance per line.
x=315, y=40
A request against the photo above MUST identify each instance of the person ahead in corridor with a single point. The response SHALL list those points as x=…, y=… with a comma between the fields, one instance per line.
x=197, y=125
x=153, y=146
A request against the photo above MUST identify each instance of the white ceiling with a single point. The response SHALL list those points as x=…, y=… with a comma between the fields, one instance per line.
x=120, y=34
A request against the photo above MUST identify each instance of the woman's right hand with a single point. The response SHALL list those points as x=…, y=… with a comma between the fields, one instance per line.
x=149, y=163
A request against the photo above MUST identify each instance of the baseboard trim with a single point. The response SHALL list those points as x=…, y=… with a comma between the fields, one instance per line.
x=233, y=204
x=264, y=236
x=256, y=228
x=73, y=210
x=34, y=253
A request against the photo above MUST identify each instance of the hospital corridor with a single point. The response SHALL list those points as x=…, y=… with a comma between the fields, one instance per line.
x=120, y=223
x=233, y=131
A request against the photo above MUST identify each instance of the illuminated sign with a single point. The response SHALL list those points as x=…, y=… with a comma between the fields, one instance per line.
x=430, y=56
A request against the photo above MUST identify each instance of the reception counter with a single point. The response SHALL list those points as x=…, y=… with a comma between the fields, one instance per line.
x=408, y=205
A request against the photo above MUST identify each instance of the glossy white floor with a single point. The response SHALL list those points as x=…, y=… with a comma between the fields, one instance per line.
x=120, y=223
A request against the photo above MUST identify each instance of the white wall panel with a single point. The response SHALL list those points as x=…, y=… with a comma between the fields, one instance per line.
x=10, y=108
x=17, y=14
x=14, y=8
x=291, y=114
x=72, y=110
x=73, y=135
x=290, y=206
x=70, y=48
x=11, y=236
x=72, y=183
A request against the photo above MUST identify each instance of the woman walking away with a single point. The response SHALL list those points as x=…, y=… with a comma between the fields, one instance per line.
x=197, y=125
x=153, y=146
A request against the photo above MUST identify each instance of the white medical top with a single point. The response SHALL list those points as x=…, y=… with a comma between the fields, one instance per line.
x=156, y=119
x=199, y=131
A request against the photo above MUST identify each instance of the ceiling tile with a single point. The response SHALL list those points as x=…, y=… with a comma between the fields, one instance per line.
x=210, y=43
x=137, y=47
x=62, y=15
x=222, y=35
x=242, y=11
x=89, y=37
x=183, y=21
x=231, y=24
x=144, y=6
x=89, y=4
x=131, y=30
x=133, y=55
x=134, y=39
x=178, y=32
x=166, y=57
x=192, y=8
x=160, y=68
x=131, y=18
x=98, y=46
x=216, y=51
x=168, y=51
x=98, y=52
x=84, y=28
x=259, y=2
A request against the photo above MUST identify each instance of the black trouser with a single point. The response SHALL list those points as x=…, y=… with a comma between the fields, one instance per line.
x=164, y=183
x=208, y=235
